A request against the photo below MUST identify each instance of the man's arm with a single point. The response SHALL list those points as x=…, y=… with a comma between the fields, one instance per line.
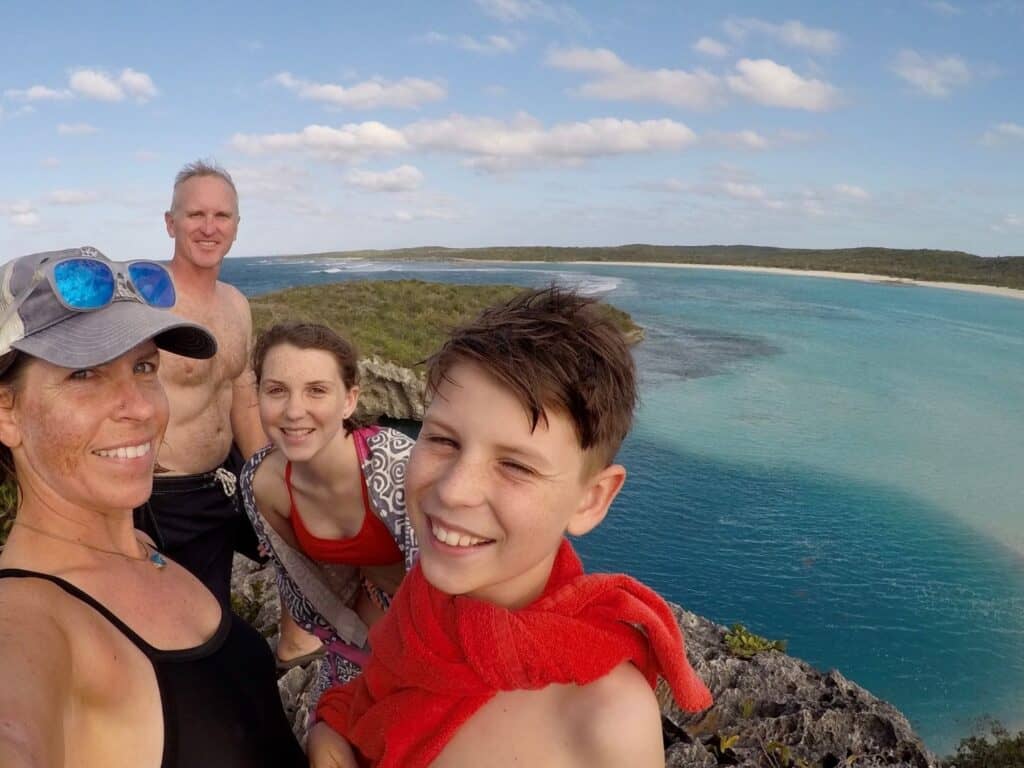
x=35, y=668
x=245, y=416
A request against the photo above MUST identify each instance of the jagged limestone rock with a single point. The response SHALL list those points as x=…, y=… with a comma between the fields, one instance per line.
x=821, y=719
x=387, y=389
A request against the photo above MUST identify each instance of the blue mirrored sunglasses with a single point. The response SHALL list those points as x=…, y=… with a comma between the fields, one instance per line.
x=83, y=284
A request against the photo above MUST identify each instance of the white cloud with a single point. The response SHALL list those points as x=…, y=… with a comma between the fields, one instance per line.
x=1003, y=134
x=138, y=85
x=672, y=185
x=349, y=142
x=278, y=183
x=753, y=140
x=20, y=214
x=486, y=143
x=492, y=44
x=95, y=85
x=513, y=11
x=401, y=179
x=711, y=47
x=50, y=162
x=422, y=214
x=943, y=8
x=813, y=207
x=37, y=93
x=586, y=60
x=775, y=85
x=851, y=192
x=99, y=86
x=793, y=34
x=739, y=191
x=407, y=93
x=76, y=129
x=72, y=197
x=746, y=139
x=677, y=88
x=489, y=44
x=1010, y=221
x=935, y=76
x=495, y=145
x=617, y=81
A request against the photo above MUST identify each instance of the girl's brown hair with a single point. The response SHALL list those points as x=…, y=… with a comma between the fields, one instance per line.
x=552, y=348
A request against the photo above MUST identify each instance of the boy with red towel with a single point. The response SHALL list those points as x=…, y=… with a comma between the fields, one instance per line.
x=498, y=650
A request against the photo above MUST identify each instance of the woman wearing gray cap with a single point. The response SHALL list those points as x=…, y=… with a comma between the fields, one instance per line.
x=110, y=655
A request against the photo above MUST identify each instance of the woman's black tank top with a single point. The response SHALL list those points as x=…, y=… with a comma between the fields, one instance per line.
x=220, y=701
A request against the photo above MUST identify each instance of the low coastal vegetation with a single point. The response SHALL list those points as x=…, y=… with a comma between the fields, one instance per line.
x=402, y=321
x=993, y=746
x=913, y=264
x=743, y=643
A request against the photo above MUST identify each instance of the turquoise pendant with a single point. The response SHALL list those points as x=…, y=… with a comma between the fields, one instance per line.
x=157, y=559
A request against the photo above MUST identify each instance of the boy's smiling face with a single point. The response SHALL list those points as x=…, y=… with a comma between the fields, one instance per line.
x=489, y=498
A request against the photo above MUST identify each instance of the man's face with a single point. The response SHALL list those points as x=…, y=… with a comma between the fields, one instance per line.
x=489, y=498
x=204, y=221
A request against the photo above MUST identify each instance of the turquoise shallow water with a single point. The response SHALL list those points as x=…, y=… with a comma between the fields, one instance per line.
x=830, y=462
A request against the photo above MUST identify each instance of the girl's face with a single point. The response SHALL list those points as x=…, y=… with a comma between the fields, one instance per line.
x=303, y=400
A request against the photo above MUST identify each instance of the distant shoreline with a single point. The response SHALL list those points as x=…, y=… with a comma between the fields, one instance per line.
x=989, y=290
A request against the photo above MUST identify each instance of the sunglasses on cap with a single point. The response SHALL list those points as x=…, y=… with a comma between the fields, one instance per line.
x=83, y=284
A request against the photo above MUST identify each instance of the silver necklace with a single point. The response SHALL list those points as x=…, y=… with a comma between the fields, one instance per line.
x=151, y=555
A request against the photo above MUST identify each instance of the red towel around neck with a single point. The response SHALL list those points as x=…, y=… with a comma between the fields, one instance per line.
x=437, y=658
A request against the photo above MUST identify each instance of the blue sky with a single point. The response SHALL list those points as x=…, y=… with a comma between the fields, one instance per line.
x=518, y=122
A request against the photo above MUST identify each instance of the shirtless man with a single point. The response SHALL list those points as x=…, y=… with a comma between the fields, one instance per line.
x=193, y=513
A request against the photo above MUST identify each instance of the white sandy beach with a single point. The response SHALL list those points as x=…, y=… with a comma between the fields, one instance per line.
x=1012, y=293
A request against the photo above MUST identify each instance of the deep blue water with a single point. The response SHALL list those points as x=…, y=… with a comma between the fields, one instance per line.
x=833, y=463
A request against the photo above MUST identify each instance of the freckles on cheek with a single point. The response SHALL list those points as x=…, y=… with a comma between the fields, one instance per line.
x=51, y=443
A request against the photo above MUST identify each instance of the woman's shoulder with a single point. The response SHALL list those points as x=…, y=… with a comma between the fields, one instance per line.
x=33, y=609
x=267, y=479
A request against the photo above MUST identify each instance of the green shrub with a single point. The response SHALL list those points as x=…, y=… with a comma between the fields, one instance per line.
x=745, y=644
x=976, y=751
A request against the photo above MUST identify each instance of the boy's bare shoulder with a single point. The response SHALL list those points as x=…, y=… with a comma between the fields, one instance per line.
x=611, y=722
x=616, y=720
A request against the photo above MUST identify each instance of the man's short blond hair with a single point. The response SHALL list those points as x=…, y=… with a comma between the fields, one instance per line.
x=197, y=168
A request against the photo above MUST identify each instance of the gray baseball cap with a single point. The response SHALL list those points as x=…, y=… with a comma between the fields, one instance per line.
x=43, y=327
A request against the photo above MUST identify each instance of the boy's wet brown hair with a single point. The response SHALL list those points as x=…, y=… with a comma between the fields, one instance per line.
x=311, y=336
x=555, y=351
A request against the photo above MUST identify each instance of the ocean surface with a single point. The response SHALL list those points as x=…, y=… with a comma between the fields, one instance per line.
x=833, y=463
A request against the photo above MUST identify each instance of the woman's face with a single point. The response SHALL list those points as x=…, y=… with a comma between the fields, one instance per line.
x=87, y=437
x=303, y=400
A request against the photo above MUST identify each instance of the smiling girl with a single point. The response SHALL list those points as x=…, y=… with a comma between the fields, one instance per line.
x=326, y=497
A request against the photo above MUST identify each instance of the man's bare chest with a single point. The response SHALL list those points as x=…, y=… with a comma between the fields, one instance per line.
x=232, y=350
